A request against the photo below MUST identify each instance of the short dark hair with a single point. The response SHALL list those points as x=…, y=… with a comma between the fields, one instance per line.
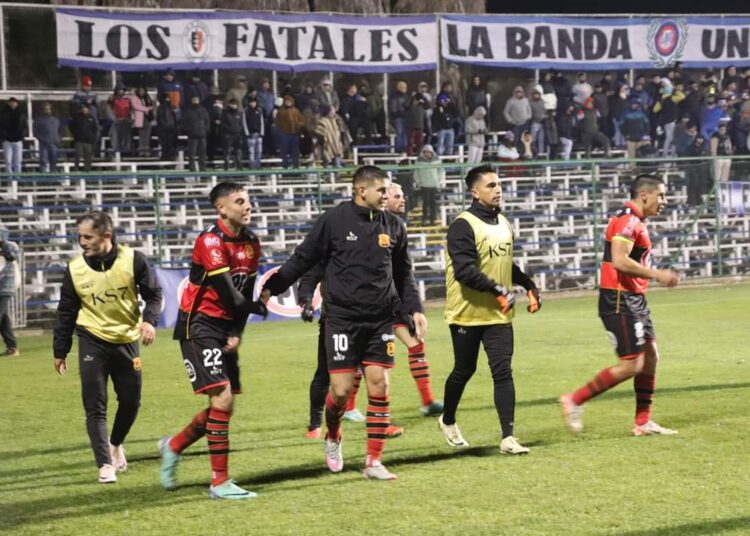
x=476, y=173
x=222, y=189
x=367, y=174
x=100, y=221
x=648, y=182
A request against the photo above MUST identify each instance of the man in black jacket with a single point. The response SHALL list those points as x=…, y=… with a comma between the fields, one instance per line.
x=479, y=304
x=367, y=272
x=99, y=300
x=195, y=125
x=13, y=129
x=85, y=131
x=231, y=129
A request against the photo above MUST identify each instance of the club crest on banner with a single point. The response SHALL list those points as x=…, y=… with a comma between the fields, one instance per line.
x=666, y=41
x=196, y=40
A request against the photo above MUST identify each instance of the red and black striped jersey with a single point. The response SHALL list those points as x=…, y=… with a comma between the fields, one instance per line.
x=218, y=250
x=618, y=290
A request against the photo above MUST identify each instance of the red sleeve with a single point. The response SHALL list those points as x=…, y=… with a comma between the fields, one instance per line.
x=628, y=227
x=209, y=253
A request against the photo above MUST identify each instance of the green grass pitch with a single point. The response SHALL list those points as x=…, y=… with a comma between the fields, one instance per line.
x=604, y=482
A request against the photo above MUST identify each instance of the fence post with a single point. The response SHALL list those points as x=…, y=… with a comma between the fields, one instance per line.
x=717, y=200
x=320, y=193
x=157, y=197
x=595, y=219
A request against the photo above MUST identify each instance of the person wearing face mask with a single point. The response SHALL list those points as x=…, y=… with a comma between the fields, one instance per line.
x=254, y=128
x=231, y=129
x=99, y=301
x=196, y=124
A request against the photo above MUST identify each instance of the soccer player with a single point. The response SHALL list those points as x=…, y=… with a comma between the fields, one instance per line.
x=625, y=276
x=213, y=312
x=403, y=328
x=479, y=304
x=367, y=273
x=99, y=300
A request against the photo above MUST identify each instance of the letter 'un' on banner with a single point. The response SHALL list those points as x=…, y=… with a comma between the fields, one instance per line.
x=216, y=40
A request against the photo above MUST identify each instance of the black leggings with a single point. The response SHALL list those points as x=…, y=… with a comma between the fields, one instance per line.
x=497, y=340
x=320, y=383
x=98, y=360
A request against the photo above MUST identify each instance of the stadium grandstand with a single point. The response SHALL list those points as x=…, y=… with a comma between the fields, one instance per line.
x=561, y=181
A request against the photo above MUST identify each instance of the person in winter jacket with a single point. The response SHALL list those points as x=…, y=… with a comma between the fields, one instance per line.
x=119, y=110
x=722, y=150
x=565, y=124
x=415, y=122
x=517, y=112
x=85, y=131
x=634, y=126
x=143, y=116
x=590, y=128
x=538, y=114
x=443, y=117
x=231, y=128
x=475, y=129
x=195, y=125
x=289, y=124
x=476, y=95
x=166, y=128
x=667, y=112
x=253, y=127
x=697, y=173
x=398, y=104
x=427, y=181
x=13, y=129
x=47, y=132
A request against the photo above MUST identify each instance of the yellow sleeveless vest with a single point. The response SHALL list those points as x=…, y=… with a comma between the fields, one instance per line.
x=467, y=307
x=109, y=303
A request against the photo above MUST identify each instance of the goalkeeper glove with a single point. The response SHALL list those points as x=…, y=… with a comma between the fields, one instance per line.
x=259, y=308
x=535, y=300
x=308, y=313
x=505, y=299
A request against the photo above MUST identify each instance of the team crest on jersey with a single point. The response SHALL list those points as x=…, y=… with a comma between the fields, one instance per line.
x=390, y=348
x=249, y=253
x=217, y=257
x=384, y=240
x=190, y=370
x=137, y=365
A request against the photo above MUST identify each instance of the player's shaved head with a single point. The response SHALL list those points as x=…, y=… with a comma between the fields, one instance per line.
x=366, y=175
x=476, y=173
x=99, y=221
x=223, y=189
x=644, y=182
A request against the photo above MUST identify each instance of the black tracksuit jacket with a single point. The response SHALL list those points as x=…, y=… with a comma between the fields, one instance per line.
x=367, y=266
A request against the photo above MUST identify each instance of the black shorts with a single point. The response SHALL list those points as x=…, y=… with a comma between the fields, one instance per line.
x=629, y=333
x=208, y=365
x=353, y=345
x=403, y=319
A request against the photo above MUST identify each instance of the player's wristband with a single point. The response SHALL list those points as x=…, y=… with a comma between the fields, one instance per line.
x=505, y=299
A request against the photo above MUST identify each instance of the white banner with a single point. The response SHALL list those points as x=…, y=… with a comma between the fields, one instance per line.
x=595, y=44
x=215, y=40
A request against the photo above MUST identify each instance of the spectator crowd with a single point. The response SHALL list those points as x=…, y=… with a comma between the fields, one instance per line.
x=668, y=114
